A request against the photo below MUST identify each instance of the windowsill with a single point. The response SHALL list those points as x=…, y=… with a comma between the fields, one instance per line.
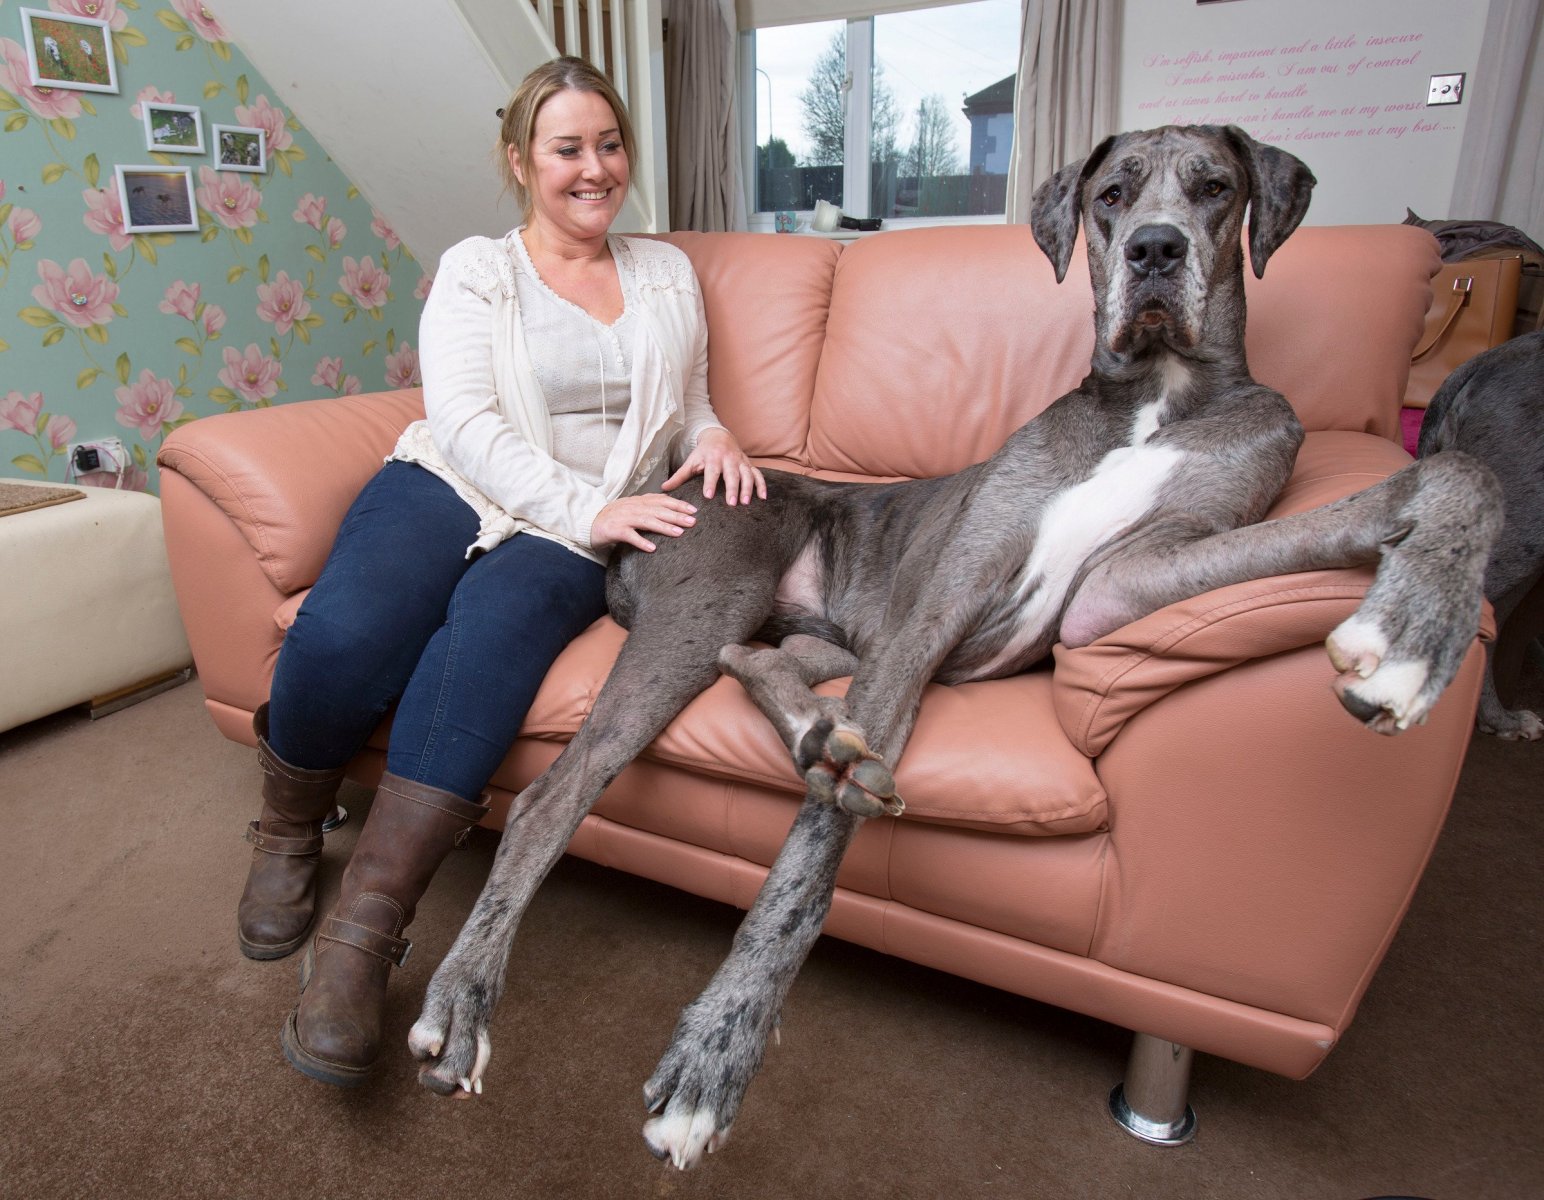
x=764, y=223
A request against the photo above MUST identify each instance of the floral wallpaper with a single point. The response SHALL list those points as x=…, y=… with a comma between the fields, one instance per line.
x=293, y=287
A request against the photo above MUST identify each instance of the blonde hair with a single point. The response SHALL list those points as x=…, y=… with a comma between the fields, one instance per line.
x=519, y=115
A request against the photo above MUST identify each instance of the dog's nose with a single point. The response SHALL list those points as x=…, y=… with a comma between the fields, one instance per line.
x=1156, y=250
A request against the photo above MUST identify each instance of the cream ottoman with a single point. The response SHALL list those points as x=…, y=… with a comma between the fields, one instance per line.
x=86, y=604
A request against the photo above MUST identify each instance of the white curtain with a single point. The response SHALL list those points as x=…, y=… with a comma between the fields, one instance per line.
x=707, y=193
x=1500, y=166
x=1069, y=69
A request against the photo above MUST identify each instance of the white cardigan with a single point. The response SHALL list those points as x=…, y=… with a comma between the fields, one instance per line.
x=488, y=433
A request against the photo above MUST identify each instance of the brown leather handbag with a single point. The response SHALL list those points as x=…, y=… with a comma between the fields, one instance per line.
x=1474, y=303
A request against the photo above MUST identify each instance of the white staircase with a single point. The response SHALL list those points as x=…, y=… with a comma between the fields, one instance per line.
x=402, y=94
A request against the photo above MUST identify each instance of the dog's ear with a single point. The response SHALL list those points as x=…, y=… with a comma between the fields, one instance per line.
x=1279, y=188
x=1056, y=205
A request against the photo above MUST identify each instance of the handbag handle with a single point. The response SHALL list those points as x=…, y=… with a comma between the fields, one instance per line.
x=1455, y=300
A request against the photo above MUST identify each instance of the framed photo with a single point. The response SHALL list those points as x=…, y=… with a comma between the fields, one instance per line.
x=173, y=128
x=157, y=199
x=69, y=52
x=240, y=148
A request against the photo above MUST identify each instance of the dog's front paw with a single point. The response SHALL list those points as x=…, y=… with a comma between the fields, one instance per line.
x=451, y=1036
x=1384, y=689
x=842, y=770
x=699, y=1083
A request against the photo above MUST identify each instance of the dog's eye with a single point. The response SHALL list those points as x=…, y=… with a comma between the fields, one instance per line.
x=1110, y=197
x=1214, y=188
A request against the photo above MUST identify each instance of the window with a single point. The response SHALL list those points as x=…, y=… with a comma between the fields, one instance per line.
x=926, y=132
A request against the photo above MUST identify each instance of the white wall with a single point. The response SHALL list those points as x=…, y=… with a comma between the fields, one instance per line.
x=1311, y=77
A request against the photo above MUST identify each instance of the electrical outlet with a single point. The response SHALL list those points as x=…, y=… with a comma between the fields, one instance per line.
x=1445, y=89
x=101, y=454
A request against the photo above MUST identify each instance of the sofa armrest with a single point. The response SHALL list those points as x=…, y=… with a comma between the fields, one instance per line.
x=286, y=475
x=1098, y=688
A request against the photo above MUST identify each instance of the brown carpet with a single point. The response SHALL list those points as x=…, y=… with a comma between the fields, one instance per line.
x=141, y=1056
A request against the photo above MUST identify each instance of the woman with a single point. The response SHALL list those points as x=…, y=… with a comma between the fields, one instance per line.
x=565, y=369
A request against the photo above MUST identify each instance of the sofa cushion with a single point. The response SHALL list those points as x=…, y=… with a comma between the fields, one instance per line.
x=1033, y=782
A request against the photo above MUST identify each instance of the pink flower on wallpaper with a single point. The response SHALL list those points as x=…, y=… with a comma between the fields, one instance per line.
x=181, y=300
x=20, y=412
x=135, y=479
x=81, y=298
x=421, y=288
x=25, y=225
x=2, y=189
x=153, y=94
x=365, y=282
x=254, y=376
x=336, y=232
x=282, y=302
x=96, y=10
x=214, y=320
x=59, y=431
x=312, y=210
x=197, y=14
x=228, y=198
x=329, y=374
x=270, y=119
x=149, y=405
x=104, y=215
x=402, y=368
x=383, y=230
x=15, y=78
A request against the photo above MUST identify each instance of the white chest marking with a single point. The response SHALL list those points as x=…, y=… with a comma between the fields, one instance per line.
x=1121, y=490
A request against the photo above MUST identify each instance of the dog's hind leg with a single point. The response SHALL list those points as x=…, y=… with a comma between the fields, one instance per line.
x=828, y=750
x=664, y=663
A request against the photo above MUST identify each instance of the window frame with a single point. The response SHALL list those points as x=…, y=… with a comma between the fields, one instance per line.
x=856, y=153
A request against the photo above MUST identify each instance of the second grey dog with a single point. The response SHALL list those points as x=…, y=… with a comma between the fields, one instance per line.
x=1143, y=486
x=1493, y=408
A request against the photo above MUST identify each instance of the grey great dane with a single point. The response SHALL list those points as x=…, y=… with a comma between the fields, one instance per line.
x=1144, y=486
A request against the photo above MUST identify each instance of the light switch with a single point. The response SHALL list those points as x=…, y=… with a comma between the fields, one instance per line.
x=1446, y=89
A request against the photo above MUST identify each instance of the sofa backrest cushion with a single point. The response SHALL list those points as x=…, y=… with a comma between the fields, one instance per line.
x=942, y=341
x=766, y=299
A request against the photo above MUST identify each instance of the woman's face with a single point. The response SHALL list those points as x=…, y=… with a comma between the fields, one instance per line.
x=577, y=170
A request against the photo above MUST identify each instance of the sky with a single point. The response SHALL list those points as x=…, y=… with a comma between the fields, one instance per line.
x=951, y=52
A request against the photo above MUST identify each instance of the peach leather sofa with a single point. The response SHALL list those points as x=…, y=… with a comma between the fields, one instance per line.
x=1176, y=829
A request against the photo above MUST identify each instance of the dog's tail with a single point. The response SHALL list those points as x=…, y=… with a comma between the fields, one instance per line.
x=782, y=625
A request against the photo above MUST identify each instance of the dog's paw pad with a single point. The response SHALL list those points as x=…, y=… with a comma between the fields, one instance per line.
x=1391, y=698
x=1357, y=646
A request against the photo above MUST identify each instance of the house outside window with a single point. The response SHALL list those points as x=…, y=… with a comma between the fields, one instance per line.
x=905, y=115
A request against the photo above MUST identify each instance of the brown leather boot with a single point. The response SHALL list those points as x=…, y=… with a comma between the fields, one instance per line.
x=334, y=1033
x=279, y=901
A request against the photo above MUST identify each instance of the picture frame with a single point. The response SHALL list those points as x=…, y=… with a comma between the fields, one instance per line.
x=69, y=52
x=173, y=128
x=240, y=148
x=157, y=199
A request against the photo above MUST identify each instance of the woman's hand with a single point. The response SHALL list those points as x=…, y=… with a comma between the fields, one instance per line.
x=718, y=456
x=624, y=521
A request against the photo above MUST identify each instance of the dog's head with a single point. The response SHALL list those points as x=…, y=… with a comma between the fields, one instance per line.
x=1163, y=210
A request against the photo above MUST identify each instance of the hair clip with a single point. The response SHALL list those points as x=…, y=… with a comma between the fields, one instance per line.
x=499, y=113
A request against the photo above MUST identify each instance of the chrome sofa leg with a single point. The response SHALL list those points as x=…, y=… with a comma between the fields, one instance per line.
x=1150, y=1104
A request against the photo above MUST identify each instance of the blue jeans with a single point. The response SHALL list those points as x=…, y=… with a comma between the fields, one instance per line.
x=400, y=616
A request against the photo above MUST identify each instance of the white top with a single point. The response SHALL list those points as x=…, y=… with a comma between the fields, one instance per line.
x=583, y=366
x=490, y=429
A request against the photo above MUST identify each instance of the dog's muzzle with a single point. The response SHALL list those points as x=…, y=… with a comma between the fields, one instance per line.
x=1152, y=298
